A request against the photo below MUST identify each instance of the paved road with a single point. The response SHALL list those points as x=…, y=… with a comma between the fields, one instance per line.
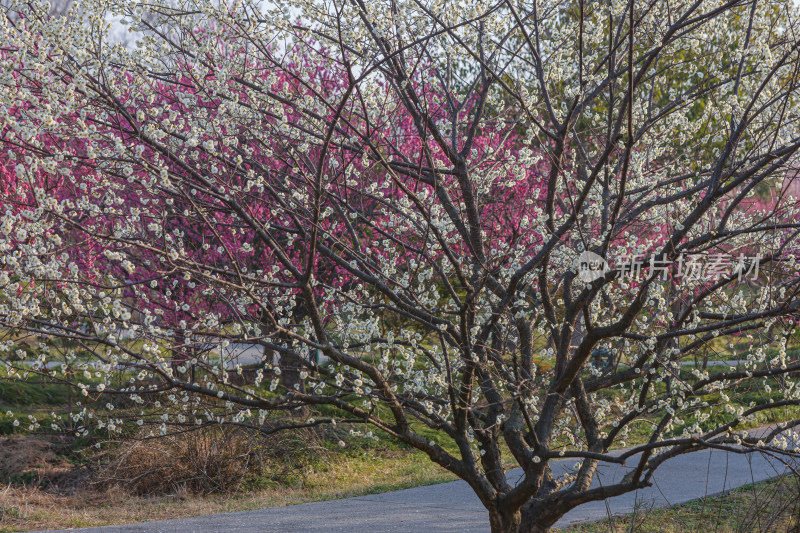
x=733, y=362
x=233, y=354
x=246, y=354
x=453, y=508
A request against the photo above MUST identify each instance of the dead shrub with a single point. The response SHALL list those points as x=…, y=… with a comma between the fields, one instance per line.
x=210, y=460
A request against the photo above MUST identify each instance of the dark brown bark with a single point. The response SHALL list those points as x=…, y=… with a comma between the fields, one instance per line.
x=505, y=522
x=526, y=520
x=290, y=373
x=532, y=521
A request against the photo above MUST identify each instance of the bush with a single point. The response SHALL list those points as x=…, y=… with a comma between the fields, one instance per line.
x=203, y=461
x=210, y=460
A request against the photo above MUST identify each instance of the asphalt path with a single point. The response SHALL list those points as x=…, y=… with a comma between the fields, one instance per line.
x=247, y=354
x=454, y=508
x=232, y=355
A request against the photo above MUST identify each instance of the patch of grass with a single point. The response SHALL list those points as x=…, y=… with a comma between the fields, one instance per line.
x=767, y=507
x=354, y=472
x=30, y=393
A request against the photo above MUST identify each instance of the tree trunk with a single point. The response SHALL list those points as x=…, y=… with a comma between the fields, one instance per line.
x=291, y=380
x=290, y=374
x=505, y=522
x=517, y=522
x=535, y=519
x=535, y=528
x=527, y=525
x=178, y=356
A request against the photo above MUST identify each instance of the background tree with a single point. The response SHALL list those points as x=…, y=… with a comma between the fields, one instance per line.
x=389, y=164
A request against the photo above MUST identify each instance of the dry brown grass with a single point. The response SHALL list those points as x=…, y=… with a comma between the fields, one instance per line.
x=208, y=461
x=36, y=462
x=283, y=482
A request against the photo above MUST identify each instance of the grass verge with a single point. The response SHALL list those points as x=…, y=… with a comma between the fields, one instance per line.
x=771, y=506
x=350, y=474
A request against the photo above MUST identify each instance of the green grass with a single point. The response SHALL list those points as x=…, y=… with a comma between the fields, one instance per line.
x=17, y=393
x=770, y=506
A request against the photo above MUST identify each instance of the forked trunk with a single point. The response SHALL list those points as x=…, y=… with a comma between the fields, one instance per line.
x=515, y=523
x=505, y=522
x=534, y=520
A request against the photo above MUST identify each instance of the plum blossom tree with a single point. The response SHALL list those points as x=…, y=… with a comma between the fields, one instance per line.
x=408, y=189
